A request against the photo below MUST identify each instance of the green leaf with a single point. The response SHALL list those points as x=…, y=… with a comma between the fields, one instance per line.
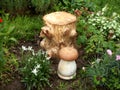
x=10, y=29
x=13, y=39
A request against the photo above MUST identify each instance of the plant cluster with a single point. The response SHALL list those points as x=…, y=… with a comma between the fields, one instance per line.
x=108, y=26
x=72, y=5
x=22, y=7
x=35, y=68
x=5, y=31
x=8, y=61
x=105, y=70
x=98, y=32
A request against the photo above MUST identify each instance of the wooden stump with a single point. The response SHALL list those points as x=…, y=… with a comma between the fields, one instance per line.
x=59, y=30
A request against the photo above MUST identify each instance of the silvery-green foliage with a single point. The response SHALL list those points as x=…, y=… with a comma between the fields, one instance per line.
x=109, y=26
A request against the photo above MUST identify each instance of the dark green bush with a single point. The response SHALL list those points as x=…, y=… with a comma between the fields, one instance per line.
x=22, y=7
x=14, y=6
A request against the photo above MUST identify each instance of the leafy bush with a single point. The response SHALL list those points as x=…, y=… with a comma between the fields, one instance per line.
x=98, y=32
x=5, y=35
x=105, y=70
x=35, y=69
x=22, y=7
x=14, y=6
x=108, y=26
x=42, y=5
x=71, y=5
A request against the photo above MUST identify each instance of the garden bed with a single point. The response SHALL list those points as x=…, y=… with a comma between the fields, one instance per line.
x=25, y=66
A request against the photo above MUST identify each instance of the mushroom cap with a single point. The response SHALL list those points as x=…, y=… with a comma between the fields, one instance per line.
x=60, y=18
x=68, y=53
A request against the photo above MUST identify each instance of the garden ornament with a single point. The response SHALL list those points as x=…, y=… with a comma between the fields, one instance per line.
x=60, y=32
x=67, y=65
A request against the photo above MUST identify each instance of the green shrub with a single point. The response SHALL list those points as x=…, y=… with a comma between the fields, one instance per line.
x=42, y=5
x=71, y=5
x=105, y=70
x=14, y=6
x=22, y=7
x=5, y=35
x=98, y=32
x=35, y=69
x=8, y=63
x=108, y=26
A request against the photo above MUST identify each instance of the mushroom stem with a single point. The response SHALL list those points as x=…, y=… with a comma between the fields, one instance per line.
x=67, y=69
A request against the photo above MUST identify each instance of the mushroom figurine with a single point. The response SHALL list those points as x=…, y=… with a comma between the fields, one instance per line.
x=67, y=65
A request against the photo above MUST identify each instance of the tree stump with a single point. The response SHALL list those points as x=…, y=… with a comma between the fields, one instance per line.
x=59, y=30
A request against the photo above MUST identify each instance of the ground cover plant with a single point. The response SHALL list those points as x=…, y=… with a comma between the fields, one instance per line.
x=98, y=40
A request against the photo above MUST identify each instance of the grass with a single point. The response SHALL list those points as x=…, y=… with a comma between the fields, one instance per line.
x=26, y=27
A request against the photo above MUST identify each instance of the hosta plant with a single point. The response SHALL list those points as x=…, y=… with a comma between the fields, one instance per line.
x=35, y=69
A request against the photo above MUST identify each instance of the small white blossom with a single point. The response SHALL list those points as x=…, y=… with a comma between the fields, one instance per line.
x=30, y=48
x=98, y=13
x=114, y=14
x=43, y=52
x=48, y=58
x=24, y=48
x=34, y=71
x=93, y=63
x=83, y=68
x=111, y=31
x=113, y=36
x=38, y=66
x=104, y=27
x=98, y=60
x=93, y=24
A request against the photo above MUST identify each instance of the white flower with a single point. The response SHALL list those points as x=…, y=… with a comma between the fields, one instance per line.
x=34, y=71
x=43, y=52
x=30, y=48
x=98, y=13
x=83, y=68
x=114, y=14
x=48, y=58
x=111, y=31
x=102, y=21
x=38, y=66
x=93, y=63
x=98, y=60
x=114, y=36
x=93, y=24
x=104, y=27
x=24, y=48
